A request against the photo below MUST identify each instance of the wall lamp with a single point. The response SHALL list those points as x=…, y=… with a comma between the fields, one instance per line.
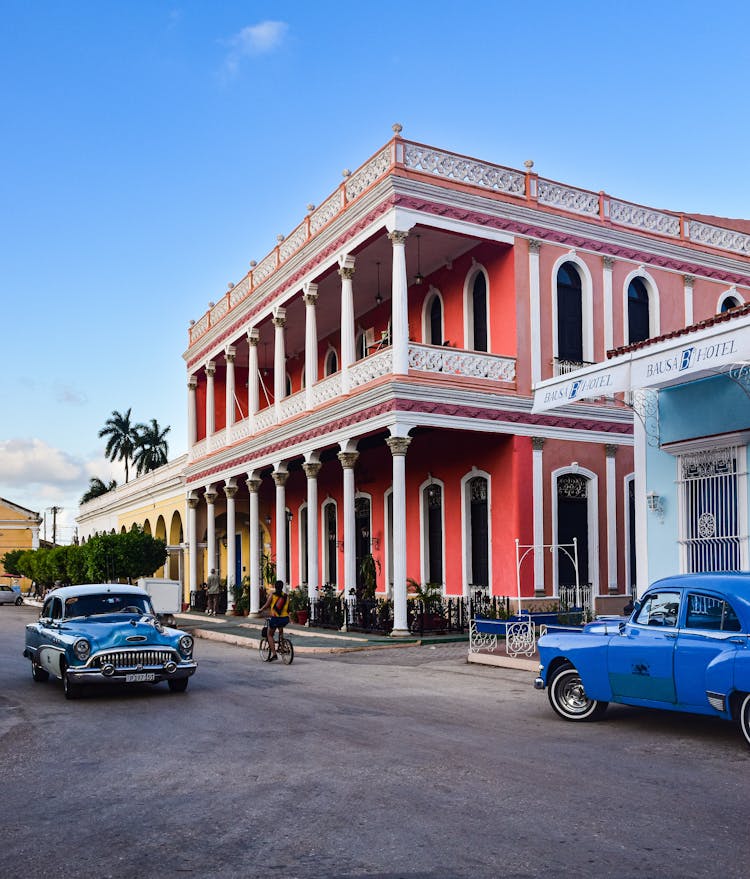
x=655, y=504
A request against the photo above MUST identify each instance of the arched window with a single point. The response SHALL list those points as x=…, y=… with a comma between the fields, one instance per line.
x=729, y=302
x=638, y=311
x=330, y=542
x=288, y=386
x=477, y=532
x=569, y=318
x=433, y=319
x=432, y=519
x=478, y=310
x=303, y=541
x=331, y=364
x=572, y=521
x=362, y=535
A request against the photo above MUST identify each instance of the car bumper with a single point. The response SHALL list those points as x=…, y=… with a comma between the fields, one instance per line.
x=539, y=684
x=134, y=675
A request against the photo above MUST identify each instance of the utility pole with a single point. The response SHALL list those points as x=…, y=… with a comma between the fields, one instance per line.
x=54, y=511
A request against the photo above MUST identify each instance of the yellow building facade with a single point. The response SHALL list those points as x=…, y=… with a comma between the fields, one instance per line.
x=19, y=529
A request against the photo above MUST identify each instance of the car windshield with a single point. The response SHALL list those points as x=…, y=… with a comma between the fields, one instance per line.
x=108, y=602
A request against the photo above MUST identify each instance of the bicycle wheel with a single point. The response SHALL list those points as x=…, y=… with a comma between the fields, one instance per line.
x=286, y=650
x=264, y=651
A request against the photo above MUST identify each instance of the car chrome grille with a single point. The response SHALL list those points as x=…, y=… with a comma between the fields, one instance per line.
x=134, y=658
x=716, y=700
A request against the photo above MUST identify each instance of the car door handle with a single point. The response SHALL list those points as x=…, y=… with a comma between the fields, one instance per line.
x=671, y=635
x=737, y=640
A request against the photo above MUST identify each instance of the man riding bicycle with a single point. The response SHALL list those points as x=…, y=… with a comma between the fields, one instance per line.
x=278, y=604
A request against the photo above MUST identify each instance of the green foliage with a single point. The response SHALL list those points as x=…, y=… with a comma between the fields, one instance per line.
x=369, y=568
x=430, y=594
x=10, y=562
x=122, y=438
x=151, y=450
x=268, y=567
x=298, y=599
x=97, y=488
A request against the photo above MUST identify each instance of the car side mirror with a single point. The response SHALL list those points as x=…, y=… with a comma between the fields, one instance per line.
x=45, y=621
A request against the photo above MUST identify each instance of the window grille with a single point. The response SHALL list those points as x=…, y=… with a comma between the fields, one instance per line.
x=713, y=523
x=571, y=485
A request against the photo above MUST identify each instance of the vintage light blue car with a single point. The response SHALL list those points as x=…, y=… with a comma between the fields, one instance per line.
x=106, y=633
x=686, y=647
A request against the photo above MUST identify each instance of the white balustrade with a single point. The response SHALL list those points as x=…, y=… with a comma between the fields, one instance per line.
x=715, y=236
x=292, y=405
x=217, y=440
x=219, y=310
x=470, y=364
x=199, y=328
x=292, y=243
x=265, y=418
x=327, y=389
x=453, y=167
x=368, y=174
x=199, y=449
x=370, y=368
x=643, y=218
x=326, y=212
x=239, y=291
x=579, y=201
x=264, y=268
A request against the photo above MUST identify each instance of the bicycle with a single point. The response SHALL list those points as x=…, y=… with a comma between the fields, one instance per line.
x=284, y=647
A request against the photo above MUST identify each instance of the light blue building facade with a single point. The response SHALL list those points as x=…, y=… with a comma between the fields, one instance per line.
x=690, y=395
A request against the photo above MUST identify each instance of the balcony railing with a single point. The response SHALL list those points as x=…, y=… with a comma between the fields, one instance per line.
x=563, y=367
x=422, y=358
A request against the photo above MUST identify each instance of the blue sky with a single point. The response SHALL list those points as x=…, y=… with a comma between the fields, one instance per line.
x=150, y=150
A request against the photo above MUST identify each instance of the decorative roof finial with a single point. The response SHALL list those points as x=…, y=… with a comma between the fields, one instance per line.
x=529, y=164
x=397, y=128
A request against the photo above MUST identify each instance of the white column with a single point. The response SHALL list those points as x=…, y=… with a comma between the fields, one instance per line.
x=346, y=271
x=398, y=446
x=688, y=282
x=535, y=312
x=640, y=447
x=253, y=392
x=210, y=421
x=192, y=502
x=229, y=399
x=610, y=451
x=537, y=446
x=280, y=477
x=253, y=485
x=279, y=360
x=399, y=304
x=35, y=536
x=230, y=490
x=311, y=342
x=312, y=469
x=609, y=333
x=348, y=460
x=210, y=498
x=192, y=411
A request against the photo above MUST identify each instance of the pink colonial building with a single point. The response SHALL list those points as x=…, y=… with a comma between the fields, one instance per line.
x=366, y=388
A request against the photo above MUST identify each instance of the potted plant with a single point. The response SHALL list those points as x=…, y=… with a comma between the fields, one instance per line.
x=241, y=597
x=369, y=568
x=299, y=605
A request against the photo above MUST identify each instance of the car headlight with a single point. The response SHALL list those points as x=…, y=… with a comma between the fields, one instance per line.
x=186, y=645
x=82, y=649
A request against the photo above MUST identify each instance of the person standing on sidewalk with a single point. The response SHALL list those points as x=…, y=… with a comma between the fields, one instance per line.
x=214, y=588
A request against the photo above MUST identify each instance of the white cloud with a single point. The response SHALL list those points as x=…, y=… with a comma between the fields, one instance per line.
x=32, y=461
x=66, y=394
x=255, y=39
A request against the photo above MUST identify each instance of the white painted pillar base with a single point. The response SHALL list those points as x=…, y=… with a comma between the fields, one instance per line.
x=398, y=446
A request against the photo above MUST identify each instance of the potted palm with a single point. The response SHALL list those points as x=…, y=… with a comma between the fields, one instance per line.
x=299, y=605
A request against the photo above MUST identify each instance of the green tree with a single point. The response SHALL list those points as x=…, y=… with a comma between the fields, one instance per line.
x=151, y=447
x=124, y=556
x=10, y=562
x=97, y=488
x=122, y=439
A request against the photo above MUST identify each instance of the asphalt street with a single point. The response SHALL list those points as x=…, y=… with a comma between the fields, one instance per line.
x=391, y=764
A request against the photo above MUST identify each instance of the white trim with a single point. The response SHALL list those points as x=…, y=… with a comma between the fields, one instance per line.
x=732, y=292
x=424, y=530
x=587, y=304
x=641, y=507
x=687, y=294
x=468, y=304
x=611, y=524
x=432, y=294
x=609, y=331
x=466, y=529
x=330, y=350
x=626, y=530
x=592, y=524
x=654, y=322
x=535, y=315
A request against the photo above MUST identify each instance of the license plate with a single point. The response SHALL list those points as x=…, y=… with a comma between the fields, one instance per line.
x=140, y=678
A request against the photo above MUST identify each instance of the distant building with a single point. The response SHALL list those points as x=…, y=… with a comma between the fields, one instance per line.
x=19, y=529
x=366, y=388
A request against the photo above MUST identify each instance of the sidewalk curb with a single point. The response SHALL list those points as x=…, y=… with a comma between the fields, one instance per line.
x=251, y=643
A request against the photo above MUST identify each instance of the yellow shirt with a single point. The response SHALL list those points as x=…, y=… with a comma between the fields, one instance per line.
x=280, y=606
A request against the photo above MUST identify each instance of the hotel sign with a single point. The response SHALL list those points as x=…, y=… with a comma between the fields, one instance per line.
x=672, y=366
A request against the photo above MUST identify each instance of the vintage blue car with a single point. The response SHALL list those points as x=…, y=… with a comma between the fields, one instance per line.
x=106, y=633
x=686, y=647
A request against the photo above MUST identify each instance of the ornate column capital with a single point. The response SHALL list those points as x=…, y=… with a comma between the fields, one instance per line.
x=608, y=262
x=398, y=444
x=280, y=477
x=230, y=353
x=210, y=495
x=279, y=317
x=253, y=484
x=192, y=382
x=230, y=490
x=346, y=273
x=398, y=238
x=348, y=459
x=193, y=501
x=610, y=450
x=210, y=367
x=535, y=245
x=311, y=297
x=253, y=337
x=312, y=469
x=537, y=443
x=688, y=280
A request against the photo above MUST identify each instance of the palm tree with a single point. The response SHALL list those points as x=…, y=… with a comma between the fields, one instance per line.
x=151, y=447
x=123, y=438
x=97, y=488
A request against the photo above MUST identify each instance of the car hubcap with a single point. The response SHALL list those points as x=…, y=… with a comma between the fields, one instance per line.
x=573, y=696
